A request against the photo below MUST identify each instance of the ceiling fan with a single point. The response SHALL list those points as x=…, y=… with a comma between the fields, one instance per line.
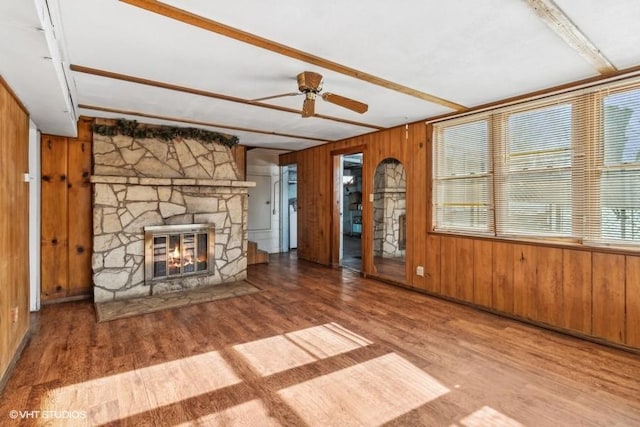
x=310, y=85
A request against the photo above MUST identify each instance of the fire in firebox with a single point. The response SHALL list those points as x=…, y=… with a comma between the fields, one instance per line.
x=176, y=253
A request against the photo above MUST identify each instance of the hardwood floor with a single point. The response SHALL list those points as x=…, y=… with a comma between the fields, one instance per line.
x=352, y=252
x=391, y=268
x=316, y=347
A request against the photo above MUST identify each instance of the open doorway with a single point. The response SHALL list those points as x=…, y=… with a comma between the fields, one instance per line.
x=289, y=208
x=351, y=211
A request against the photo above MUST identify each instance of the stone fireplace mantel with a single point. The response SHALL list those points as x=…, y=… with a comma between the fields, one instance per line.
x=191, y=182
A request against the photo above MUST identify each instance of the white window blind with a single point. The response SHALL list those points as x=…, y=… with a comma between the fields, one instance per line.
x=463, y=177
x=535, y=191
x=616, y=190
x=562, y=168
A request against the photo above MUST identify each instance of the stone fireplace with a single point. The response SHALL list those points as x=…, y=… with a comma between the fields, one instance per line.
x=176, y=205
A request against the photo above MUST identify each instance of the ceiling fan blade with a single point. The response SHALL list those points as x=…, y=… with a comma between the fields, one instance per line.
x=351, y=104
x=309, y=106
x=282, y=95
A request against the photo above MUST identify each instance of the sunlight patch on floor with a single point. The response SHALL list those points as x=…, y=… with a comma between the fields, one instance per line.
x=487, y=416
x=370, y=393
x=129, y=393
x=252, y=413
x=282, y=352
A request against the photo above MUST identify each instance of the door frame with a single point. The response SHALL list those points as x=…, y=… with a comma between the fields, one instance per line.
x=336, y=192
x=285, y=218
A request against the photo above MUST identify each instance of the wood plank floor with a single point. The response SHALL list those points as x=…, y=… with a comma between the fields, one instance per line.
x=316, y=347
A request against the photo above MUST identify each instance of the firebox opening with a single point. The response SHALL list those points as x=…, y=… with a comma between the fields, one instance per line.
x=178, y=250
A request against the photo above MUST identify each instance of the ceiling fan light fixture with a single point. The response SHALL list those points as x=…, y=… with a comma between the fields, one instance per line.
x=309, y=105
x=308, y=81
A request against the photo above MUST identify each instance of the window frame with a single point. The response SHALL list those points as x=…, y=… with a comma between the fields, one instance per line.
x=502, y=120
x=436, y=179
x=586, y=167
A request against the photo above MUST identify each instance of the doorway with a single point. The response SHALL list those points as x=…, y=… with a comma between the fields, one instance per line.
x=289, y=208
x=351, y=211
x=390, y=219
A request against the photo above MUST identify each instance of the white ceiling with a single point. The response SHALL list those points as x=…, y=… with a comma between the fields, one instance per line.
x=467, y=52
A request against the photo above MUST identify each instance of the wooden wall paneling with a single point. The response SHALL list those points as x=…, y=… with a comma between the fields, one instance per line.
x=14, y=228
x=289, y=158
x=503, y=292
x=633, y=301
x=54, y=225
x=313, y=246
x=483, y=272
x=312, y=218
x=370, y=162
x=576, y=291
x=301, y=196
x=239, y=153
x=417, y=197
x=525, y=262
x=400, y=143
x=432, y=265
x=380, y=142
x=464, y=269
x=448, y=268
x=85, y=129
x=314, y=200
x=549, y=286
x=322, y=167
x=367, y=187
x=608, y=272
x=336, y=215
x=66, y=228
x=80, y=217
x=307, y=217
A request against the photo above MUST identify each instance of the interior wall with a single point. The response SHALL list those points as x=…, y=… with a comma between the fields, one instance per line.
x=589, y=292
x=14, y=227
x=34, y=217
x=315, y=194
x=262, y=162
x=67, y=219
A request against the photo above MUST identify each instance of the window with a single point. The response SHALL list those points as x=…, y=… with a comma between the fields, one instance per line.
x=463, y=178
x=619, y=199
x=536, y=196
x=566, y=168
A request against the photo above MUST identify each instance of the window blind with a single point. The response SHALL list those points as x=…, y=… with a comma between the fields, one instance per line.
x=564, y=168
x=615, y=191
x=462, y=177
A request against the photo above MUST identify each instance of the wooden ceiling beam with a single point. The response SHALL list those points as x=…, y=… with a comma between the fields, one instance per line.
x=254, y=40
x=199, y=92
x=196, y=122
x=569, y=32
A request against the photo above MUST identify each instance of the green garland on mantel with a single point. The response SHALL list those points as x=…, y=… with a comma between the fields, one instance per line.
x=165, y=133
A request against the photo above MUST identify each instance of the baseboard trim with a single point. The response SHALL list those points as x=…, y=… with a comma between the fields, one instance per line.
x=5, y=377
x=66, y=299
